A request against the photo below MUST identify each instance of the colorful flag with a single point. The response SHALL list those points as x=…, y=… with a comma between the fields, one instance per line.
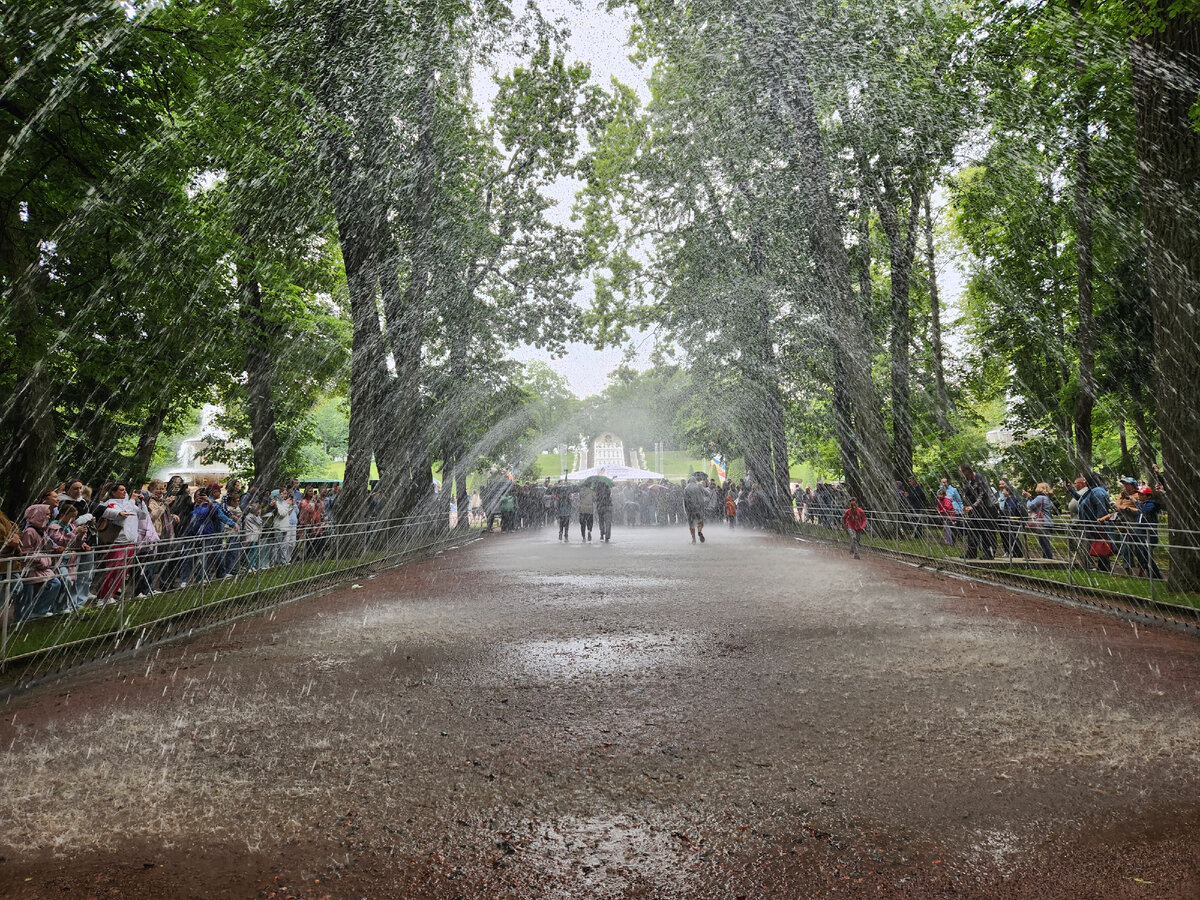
x=720, y=466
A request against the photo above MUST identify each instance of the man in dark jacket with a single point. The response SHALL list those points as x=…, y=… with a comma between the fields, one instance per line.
x=980, y=514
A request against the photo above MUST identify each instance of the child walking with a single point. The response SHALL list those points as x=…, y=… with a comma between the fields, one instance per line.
x=854, y=520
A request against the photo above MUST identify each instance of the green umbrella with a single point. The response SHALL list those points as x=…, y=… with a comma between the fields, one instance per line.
x=599, y=479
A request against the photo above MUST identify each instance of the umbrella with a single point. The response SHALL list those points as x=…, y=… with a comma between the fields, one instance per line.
x=562, y=488
x=599, y=479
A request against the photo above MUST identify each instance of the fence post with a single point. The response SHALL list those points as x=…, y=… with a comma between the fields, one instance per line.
x=124, y=586
x=4, y=613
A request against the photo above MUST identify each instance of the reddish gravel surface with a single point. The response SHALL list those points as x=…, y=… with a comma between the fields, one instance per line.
x=748, y=718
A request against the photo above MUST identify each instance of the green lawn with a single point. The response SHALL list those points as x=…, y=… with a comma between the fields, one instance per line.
x=1076, y=576
x=247, y=590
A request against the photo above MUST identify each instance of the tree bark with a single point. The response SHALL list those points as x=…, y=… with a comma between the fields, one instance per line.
x=359, y=241
x=143, y=455
x=402, y=487
x=264, y=436
x=1085, y=399
x=29, y=460
x=941, y=400
x=1166, y=78
x=843, y=424
x=791, y=90
x=1147, y=458
x=901, y=251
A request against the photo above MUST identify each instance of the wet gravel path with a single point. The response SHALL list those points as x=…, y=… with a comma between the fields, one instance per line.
x=749, y=718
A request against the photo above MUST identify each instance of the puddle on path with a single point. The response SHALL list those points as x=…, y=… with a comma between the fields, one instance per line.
x=600, y=581
x=602, y=654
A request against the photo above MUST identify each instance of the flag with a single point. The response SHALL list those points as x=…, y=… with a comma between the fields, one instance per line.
x=720, y=466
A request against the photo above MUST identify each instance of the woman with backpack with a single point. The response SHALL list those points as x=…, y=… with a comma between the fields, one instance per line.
x=1041, y=516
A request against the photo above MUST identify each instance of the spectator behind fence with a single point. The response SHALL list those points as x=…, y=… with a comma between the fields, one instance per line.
x=980, y=513
x=1041, y=511
x=40, y=586
x=1093, y=512
x=119, y=523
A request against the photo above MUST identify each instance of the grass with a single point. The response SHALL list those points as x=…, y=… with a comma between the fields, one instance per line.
x=1076, y=577
x=248, y=589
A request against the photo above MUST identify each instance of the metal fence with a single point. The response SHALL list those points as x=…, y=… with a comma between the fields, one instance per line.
x=123, y=596
x=1117, y=566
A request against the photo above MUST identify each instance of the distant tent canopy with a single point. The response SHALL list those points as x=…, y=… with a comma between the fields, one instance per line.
x=617, y=473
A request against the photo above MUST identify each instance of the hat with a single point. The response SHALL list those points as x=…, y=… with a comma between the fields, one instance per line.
x=1148, y=491
x=1128, y=480
x=275, y=494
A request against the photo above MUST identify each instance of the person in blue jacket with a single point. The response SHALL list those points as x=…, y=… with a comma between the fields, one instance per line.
x=204, y=528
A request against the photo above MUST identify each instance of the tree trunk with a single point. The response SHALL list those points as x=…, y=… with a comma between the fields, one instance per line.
x=360, y=255
x=1085, y=399
x=29, y=459
x=941, y=401
x=143, y=455
x=864, y=255
x=1147, y=458
x=1166, y=77
x=358, y=234
x=264, y=437
x=791, y=90
x=844, y=427
x=402, y=489
x=1126, y=458
x=763, y=373
x=901, y=251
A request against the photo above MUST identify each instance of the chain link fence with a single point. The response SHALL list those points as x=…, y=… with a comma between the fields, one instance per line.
x=59, y=610
x=1112, y=565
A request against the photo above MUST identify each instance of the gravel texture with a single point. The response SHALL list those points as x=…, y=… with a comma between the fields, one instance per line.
x=751, y=717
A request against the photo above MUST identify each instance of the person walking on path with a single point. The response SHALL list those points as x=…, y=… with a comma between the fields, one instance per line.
x=587, y=509
x=694, y=499
x=603, y=505
x=854, y=520
x=564, y=516
x=730, y=507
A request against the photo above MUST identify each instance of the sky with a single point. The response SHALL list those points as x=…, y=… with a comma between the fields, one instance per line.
x=598, y=38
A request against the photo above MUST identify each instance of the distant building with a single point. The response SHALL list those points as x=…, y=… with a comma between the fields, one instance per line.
x=606, y=450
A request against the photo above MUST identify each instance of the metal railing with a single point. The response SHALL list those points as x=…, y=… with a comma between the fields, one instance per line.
x=1123, y=567
x=121, y=597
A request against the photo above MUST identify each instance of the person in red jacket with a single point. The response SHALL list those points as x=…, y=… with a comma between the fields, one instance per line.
x=854, y=520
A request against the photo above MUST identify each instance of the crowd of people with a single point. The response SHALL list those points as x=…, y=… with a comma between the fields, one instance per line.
x=533, y=504
x=78, y=547
x=1002, y=520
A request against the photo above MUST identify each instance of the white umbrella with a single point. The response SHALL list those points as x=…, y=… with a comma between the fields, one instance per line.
x=616, y=473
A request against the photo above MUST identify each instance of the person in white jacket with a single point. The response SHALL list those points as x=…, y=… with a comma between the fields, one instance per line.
x=283, y=505
x=121, y=513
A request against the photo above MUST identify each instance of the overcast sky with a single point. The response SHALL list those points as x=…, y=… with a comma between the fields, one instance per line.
x=599, y=37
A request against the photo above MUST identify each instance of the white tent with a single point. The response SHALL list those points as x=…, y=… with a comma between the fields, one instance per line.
x=616, y=473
